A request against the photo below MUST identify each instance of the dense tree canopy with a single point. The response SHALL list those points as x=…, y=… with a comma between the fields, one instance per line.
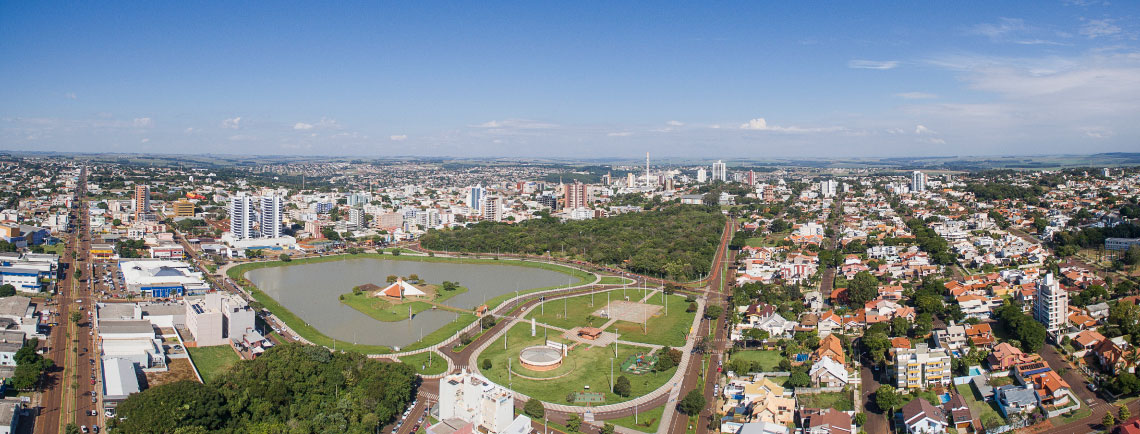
x=677, y=241
x=1029, y=333
x=290, y=388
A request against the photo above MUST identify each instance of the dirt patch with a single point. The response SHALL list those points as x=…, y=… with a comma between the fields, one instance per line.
x=629, y=311
x=180, y=369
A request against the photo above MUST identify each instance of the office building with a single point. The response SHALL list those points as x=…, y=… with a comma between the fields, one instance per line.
x=918, y=182
x=218, y=319
x=719, y=172
x=828, y=187
x=1051, y=305
x=162, y=278
x=574, y=195
x=1120, y=244
x=702, y=175
x=182, y=208
x=272, y=210
x=142, y=202
x=475, y=197
x=920, y=367
x=242, y=217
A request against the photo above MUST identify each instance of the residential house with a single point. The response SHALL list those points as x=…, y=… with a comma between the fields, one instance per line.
x=959, y=412
x=1114, y=355
x=1013, y=399
x=1087, y=339
x=830, y=346
x=980, y=335
x=920, y=417
x=825, y=421
x=1005, y=356
x=828, y=373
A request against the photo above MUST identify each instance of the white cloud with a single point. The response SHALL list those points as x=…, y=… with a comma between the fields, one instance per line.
x=302, y=126
x=232, y=123
x=873, y=64
x=146, y=140
x=190, y=130
x=522, y=124
x=1000, y=29
x=1100, y=28
x=755, y=124
x=921, y=129
x=70, y=95
x=675, y=123
x=895, y=131
x=398, y=137
x=620, y=134
x=142, y=122
x=323, y=124
x=761, y=124
x=1097, y=132
x=916, y=95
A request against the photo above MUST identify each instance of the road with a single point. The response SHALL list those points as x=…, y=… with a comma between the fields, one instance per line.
x=719, y=282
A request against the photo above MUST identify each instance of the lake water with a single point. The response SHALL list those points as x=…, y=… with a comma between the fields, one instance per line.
x=310, y=291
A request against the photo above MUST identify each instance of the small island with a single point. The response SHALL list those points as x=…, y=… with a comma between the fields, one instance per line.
x=401, y=298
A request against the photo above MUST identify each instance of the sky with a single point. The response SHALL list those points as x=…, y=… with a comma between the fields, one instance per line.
x=572, y=79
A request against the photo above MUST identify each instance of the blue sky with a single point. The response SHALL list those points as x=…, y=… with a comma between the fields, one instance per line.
x=587, y=79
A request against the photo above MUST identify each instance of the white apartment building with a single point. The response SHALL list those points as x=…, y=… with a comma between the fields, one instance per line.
x=272, y=209
x=473, y=399
x=491, y=208
x=1051, y=305
x=920, y=367
x=218, y=319
x=828, y=187
x=242, y=217
x=702, y=175
x=719, y=171
x=918, y=182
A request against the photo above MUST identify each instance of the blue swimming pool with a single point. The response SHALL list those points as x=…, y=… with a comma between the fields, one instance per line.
x=975, y=371
x=802, y=357
x=945, y=397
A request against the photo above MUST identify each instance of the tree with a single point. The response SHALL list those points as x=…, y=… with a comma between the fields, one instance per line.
x=1124, y=413
x=692, y=308
x=860, y=419
x=534, y=409
x=7, y=290
x=486, y=364
x=1108, y=421
x=887, y=399
x=713, y=312
x=392, y=278
x=75, y=316
x=622, y=387
x=692, y=403
x=71, y=428
x=798, y=378
x=863, y=288
x=608, y=428
x=284, y=257
x=573, y=423
x=414, y=277
x=450, y=286
x=663, y=364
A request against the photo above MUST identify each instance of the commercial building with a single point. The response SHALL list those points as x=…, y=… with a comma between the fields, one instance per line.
x=10, y=409
x=162, y=278
x=119, y=381
x=10, y=342
x=1051, y=304
x=921, y=367
x=182, y=208
x=272, y=209
x=1120, y=244
x=142, y=202
x=473, y=399
x=20, y=314
x=475, y=197
x=167, y=251
x=218, y=319
x=132, y=340
x=719, y=171
x=22, y=278
x=242, y=217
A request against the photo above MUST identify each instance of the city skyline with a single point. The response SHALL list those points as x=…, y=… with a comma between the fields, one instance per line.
x=578, y=81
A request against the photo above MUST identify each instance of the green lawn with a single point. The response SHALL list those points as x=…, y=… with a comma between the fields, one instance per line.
x=842, y=401
x=977, y=405
x=213, y=361
x=660, y=329
x=769, y=360
x=313, y=335
x=584, y=366
x=419, y=361
x=381, y=309
x=614, y=280
x=647, y=420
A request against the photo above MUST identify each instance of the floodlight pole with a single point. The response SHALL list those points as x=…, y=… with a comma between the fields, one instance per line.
x=612, y=373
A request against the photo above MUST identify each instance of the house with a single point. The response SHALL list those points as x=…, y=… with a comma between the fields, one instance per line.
x=1005, y=356
x=762, y=428
x=1087, y=339
x=980, y=335
x=828, y=373
x=772, y=407
x=1131, y=426
x=959, y=413
x=920, y=417
x=1097, y=311
x=830, y=346
x=1113, y=355
x=825, y=421
x=1015, y=399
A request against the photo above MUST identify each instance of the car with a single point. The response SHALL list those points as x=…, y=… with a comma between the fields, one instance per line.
x=83, y=428
x=93, y=398
x=95, y=428
x=108, y=413
x=92, y=413
x=1091, y=386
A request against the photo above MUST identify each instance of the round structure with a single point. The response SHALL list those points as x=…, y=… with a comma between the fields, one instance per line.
x=540, y=358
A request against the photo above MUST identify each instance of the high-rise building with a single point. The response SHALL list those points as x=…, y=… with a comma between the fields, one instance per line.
x=1051, y=304
x=183, y=208
x=827, y=187
x=356, y=217
x=473, y=399
x=574, y=195
x=142, y=202
x=920, y=367
x=272, y=210
x=702, y=175
x=719, y=172
x=630, y=180
x=491, y=208
x=475, y=197
x=242, y=217
x=918, y=182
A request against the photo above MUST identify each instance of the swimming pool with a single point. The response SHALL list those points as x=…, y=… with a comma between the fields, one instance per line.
x=975, y=371
x=945, y=397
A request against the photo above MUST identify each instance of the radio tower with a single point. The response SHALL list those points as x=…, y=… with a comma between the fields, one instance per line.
x=647, y=183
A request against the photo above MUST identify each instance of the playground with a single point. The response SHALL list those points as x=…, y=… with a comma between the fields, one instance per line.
x=639, y=364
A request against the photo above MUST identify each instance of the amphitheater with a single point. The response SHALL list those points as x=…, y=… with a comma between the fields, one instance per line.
x=540, y=358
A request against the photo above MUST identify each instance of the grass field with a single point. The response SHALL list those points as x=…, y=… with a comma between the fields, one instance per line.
x=584, y=366
x=380, y=309
x=299, y=325
x=977, y=405
x=661, y=329
x=647, y=420
x=213, y=361
x=842, y=401
x=420, y=363
x=769, y=360
x=614, y=280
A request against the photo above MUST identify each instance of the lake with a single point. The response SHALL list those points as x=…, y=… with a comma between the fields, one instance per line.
x=310, y=291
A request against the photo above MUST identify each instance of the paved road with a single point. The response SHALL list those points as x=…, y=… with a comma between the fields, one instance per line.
x=717, y=296
x=876, y=422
